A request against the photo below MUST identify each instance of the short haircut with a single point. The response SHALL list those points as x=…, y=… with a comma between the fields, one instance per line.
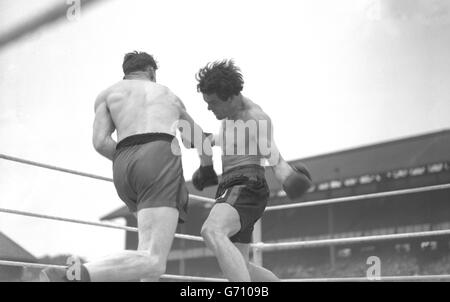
x=138, y=61
x=223, y=78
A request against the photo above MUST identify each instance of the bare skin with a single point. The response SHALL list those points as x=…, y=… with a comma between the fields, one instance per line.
x=134, y=106
x=156, y=227
x=246, y=111
x=223, y=220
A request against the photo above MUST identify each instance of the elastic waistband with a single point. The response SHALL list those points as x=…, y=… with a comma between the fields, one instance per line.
x=246, y=170
x=140, y=139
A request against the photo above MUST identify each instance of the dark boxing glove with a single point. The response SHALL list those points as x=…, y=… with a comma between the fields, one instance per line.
x=297, y=183
x=204, y=177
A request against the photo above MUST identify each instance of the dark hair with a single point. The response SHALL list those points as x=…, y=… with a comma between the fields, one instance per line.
x=138, y=61
x=220, y=77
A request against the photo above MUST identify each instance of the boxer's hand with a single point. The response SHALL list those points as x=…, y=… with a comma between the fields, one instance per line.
x=205, y=176
x=297, y=183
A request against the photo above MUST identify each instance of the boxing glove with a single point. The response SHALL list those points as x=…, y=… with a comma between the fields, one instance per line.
x=297, y=183
x=205, y=176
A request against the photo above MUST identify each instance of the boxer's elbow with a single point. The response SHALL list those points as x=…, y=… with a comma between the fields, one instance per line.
x=105, y=148
x=99, y=143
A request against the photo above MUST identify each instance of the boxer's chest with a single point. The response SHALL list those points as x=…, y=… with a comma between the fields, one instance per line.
x=241, y=136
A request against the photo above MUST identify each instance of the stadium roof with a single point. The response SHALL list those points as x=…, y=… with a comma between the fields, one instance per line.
x=396, y=154
x=10, y=250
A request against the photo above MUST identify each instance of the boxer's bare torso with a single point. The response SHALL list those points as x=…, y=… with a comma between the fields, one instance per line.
x=240, y=136
x=260, y=138
x=140, y=106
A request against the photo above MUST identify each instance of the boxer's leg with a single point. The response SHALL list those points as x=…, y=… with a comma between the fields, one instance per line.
x=223, y=222
x=257, y=273
x=156, y=232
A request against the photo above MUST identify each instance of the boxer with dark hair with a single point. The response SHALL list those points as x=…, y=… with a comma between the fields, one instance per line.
x=147, y=168
x=242, y=195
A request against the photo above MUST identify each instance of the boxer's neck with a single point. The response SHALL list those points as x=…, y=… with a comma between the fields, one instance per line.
x=137, y=75
x=237, y=105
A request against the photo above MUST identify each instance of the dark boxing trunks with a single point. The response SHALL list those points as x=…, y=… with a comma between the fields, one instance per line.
x=148, y=174
x=245, y=189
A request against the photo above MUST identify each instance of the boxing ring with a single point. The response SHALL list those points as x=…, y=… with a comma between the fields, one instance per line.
x=257, y=247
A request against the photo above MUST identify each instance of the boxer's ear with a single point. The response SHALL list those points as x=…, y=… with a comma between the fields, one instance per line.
x=152, y=74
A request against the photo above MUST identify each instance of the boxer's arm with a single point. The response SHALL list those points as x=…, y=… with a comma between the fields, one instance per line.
x=266, y=144
x=269, y=150
x=192, y=135
x=102, y=130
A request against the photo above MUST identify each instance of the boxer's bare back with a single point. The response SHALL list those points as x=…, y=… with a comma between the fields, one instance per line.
x=139, y=106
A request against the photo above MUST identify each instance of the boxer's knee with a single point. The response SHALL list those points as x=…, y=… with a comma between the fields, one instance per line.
x=212, y=234
x=151, y=266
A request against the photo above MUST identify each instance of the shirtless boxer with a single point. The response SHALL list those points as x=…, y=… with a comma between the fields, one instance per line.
x=148, y=175
x=243, y=193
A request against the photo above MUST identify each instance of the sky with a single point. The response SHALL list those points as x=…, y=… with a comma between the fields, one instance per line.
x=332, y=75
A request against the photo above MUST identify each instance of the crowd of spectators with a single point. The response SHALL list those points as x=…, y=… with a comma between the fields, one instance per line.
x=392, y=263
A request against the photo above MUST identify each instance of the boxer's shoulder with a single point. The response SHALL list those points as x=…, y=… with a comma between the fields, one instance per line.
x=177, y=101
x=101, y=98
x=256, y=113
x=118, y=87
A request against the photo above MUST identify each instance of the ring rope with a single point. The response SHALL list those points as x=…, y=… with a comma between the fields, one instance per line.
x=99, y=224
x=358, y=197
x=192, y=278
x=381, y=278
x=340, y=241
x=41, y=165
x=269, y=208
x=258, y=245
x=165, y=276
x=28, y=264
x=208, y=279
